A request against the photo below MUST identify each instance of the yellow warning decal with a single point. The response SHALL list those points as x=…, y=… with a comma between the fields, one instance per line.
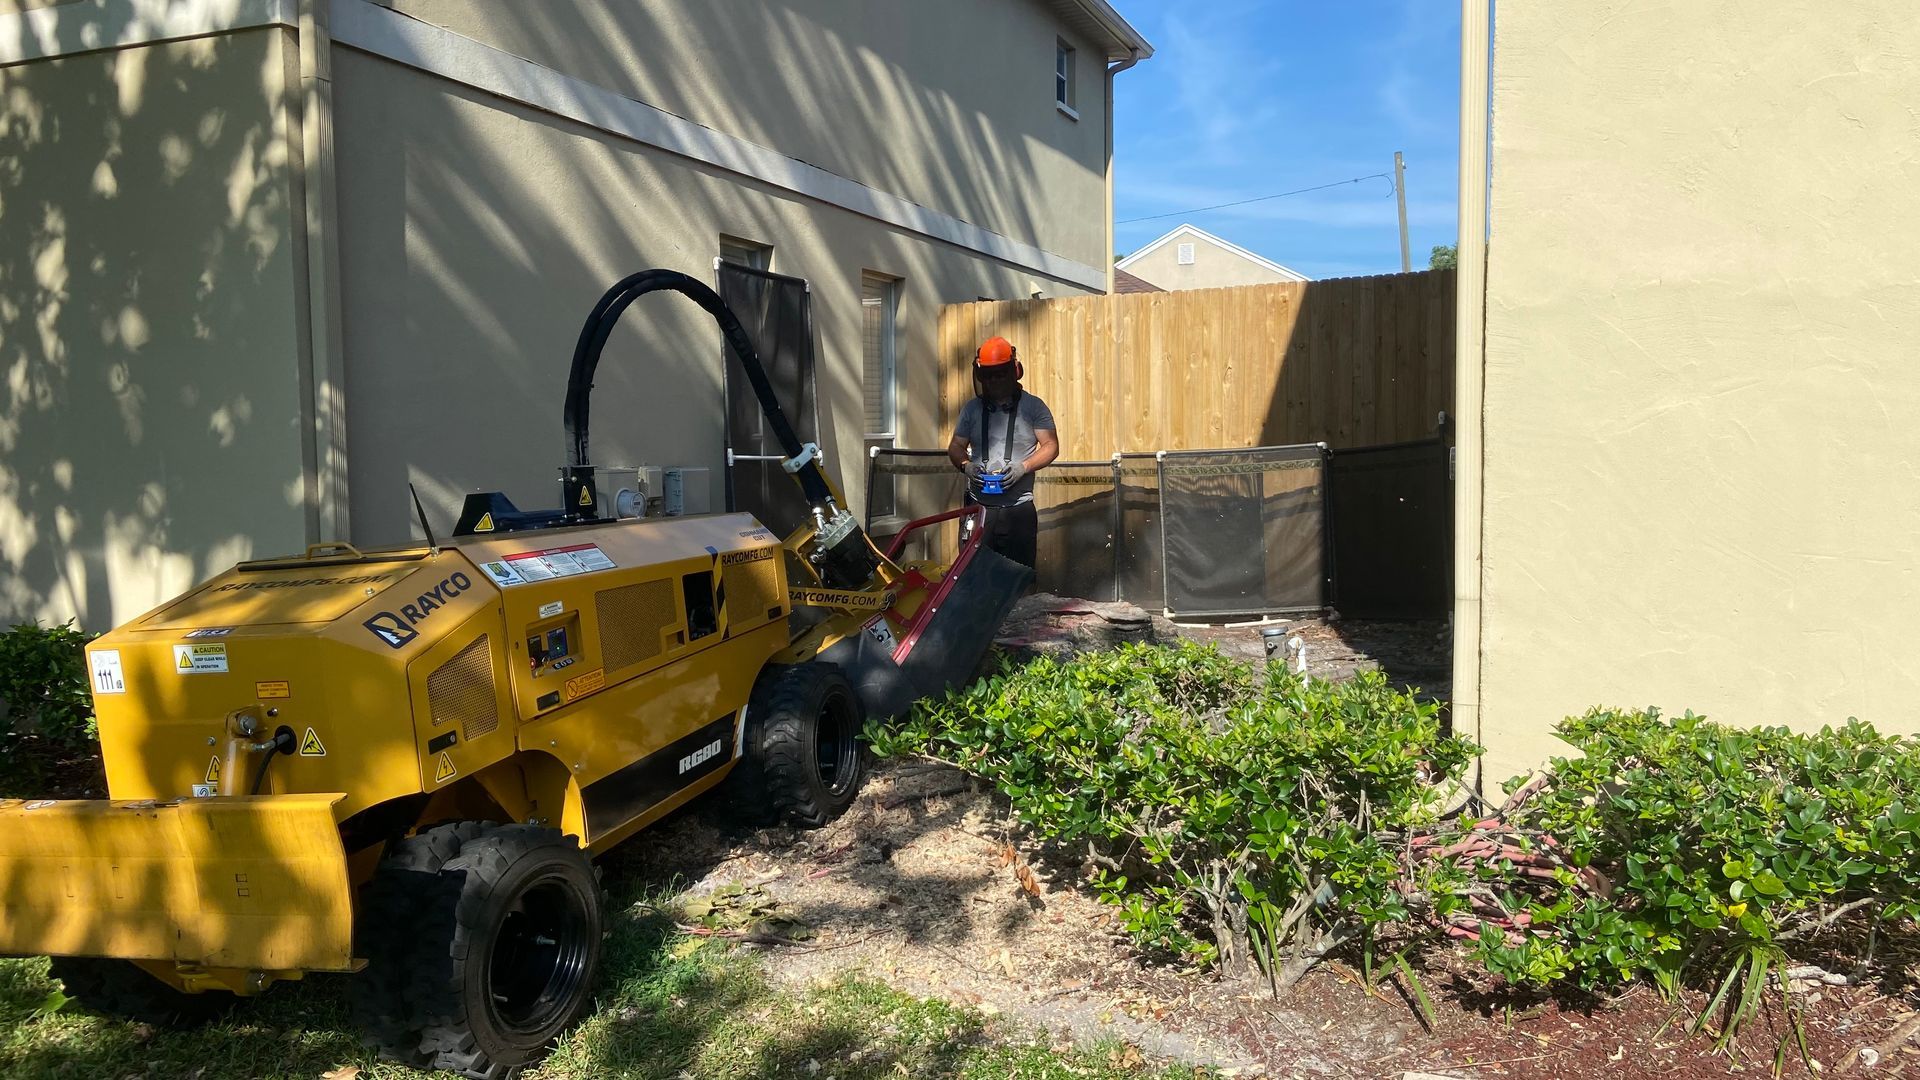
x=213, y=770
x=310, y=745
x=586, y=496
x=200, y=659
x=485, y=524
x=278, y=688
x=586, y=684
x=444, y=771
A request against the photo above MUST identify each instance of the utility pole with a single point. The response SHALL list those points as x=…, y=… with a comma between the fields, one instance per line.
x=1400, y=192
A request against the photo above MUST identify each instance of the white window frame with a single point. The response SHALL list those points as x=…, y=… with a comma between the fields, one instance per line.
x=760, y=255
x=1066, y=92
x=890, y=373
x=1184, y=254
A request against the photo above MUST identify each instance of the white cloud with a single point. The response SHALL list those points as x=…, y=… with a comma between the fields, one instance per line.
x=1223, y=87
x=1418, y=57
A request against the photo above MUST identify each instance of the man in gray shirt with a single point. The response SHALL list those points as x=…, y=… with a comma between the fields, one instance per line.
x=1003, y=436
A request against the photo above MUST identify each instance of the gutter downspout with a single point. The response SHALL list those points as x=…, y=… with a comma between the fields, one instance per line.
x=324, y=381
x=1470, y=364
x=1133, y=57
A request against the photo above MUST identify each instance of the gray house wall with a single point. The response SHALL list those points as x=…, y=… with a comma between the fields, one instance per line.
x=150, y=411
x=197, y=186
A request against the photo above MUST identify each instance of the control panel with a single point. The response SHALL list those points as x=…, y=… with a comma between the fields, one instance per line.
x=553, y=645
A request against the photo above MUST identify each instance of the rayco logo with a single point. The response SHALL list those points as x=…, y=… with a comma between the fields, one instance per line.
x=700, y=757
x=396, y=629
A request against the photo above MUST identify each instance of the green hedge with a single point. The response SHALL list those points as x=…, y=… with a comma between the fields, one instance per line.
x=46, y=713
x=1238, y=814
x=1726, y=850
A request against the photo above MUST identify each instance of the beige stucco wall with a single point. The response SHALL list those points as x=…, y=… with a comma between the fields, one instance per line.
x=150, y=409
x=950, y=105
x=475, y=236
x=1212, y=268
x=1701, y=455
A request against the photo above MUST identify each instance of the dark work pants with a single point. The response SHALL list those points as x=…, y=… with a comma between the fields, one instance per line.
x=1013, y=531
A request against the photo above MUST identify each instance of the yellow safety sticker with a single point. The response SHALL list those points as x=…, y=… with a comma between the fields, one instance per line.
x=586, y=684
x=485, y=524
x=200, y=659
x=278, y=688
x=444, y=771
x=213, y=771
x=310, y=745
x=586, y=496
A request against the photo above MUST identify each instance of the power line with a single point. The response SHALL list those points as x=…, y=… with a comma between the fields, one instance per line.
x=1263, y=198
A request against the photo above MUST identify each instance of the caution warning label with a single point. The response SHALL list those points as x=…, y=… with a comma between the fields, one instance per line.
x=485, y=524
x=310, y=745
x=213, y=771
x=443, y=770
x=200, y=659
x=586, y=684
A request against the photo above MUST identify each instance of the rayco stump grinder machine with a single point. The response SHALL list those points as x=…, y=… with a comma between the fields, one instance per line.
x=401, y=762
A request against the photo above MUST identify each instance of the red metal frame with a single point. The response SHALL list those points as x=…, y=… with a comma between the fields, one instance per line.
x=960, y=561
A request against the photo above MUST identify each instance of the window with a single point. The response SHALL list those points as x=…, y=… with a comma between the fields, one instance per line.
x=880, y=376
x=1186, y=254
x=745, y=252
x=1065, y=94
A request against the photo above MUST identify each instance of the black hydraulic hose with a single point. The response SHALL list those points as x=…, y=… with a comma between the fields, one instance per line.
x=599, y=326
x=282, y=744
x=606, y=314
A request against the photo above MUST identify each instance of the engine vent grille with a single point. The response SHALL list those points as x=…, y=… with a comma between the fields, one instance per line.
x=753, y=593
x=461, y=691
x=632, y=618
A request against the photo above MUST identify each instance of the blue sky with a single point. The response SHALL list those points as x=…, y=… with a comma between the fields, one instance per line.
x=1245, y=98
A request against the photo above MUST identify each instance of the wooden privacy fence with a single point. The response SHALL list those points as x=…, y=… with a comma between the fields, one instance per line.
x=1348, y=362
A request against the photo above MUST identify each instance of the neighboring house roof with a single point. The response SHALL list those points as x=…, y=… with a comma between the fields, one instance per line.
x=1097, y=21
x=1202, y=234
x=1124, y=282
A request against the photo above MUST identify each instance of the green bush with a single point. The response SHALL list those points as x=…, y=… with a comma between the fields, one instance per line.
x=1238, y=813
x=46, y=713
x=1726, y=849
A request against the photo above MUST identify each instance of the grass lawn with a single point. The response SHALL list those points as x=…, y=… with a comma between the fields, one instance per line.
x=668, y=1007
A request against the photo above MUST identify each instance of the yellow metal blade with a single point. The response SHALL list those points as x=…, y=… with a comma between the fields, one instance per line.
x=255, y=883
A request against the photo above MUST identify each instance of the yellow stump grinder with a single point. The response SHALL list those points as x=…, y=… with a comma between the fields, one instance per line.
x=402, y=762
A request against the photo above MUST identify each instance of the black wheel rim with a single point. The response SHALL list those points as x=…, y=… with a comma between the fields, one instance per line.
x=836, y=743
x=538, y=967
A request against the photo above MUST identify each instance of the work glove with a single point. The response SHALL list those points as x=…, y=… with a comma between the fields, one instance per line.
x=973, y=469
x=1015, y=471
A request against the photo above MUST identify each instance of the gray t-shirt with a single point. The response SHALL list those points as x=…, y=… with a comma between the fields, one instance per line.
x=1034, y=416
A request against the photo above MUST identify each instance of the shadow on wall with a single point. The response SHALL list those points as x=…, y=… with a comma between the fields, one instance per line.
x=1368, y=361
x=919, y=139
x=150, y=419
x=478, y=233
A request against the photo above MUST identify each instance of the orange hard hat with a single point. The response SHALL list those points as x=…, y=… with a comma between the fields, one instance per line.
x=994, y=352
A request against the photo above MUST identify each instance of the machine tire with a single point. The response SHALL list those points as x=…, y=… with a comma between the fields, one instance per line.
x=800, y=716
x=389, y=907
x=505, y=952
x=123, y=989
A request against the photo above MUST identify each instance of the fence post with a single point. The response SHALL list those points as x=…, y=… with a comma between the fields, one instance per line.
x=1119, y=519
x=1330, y=578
